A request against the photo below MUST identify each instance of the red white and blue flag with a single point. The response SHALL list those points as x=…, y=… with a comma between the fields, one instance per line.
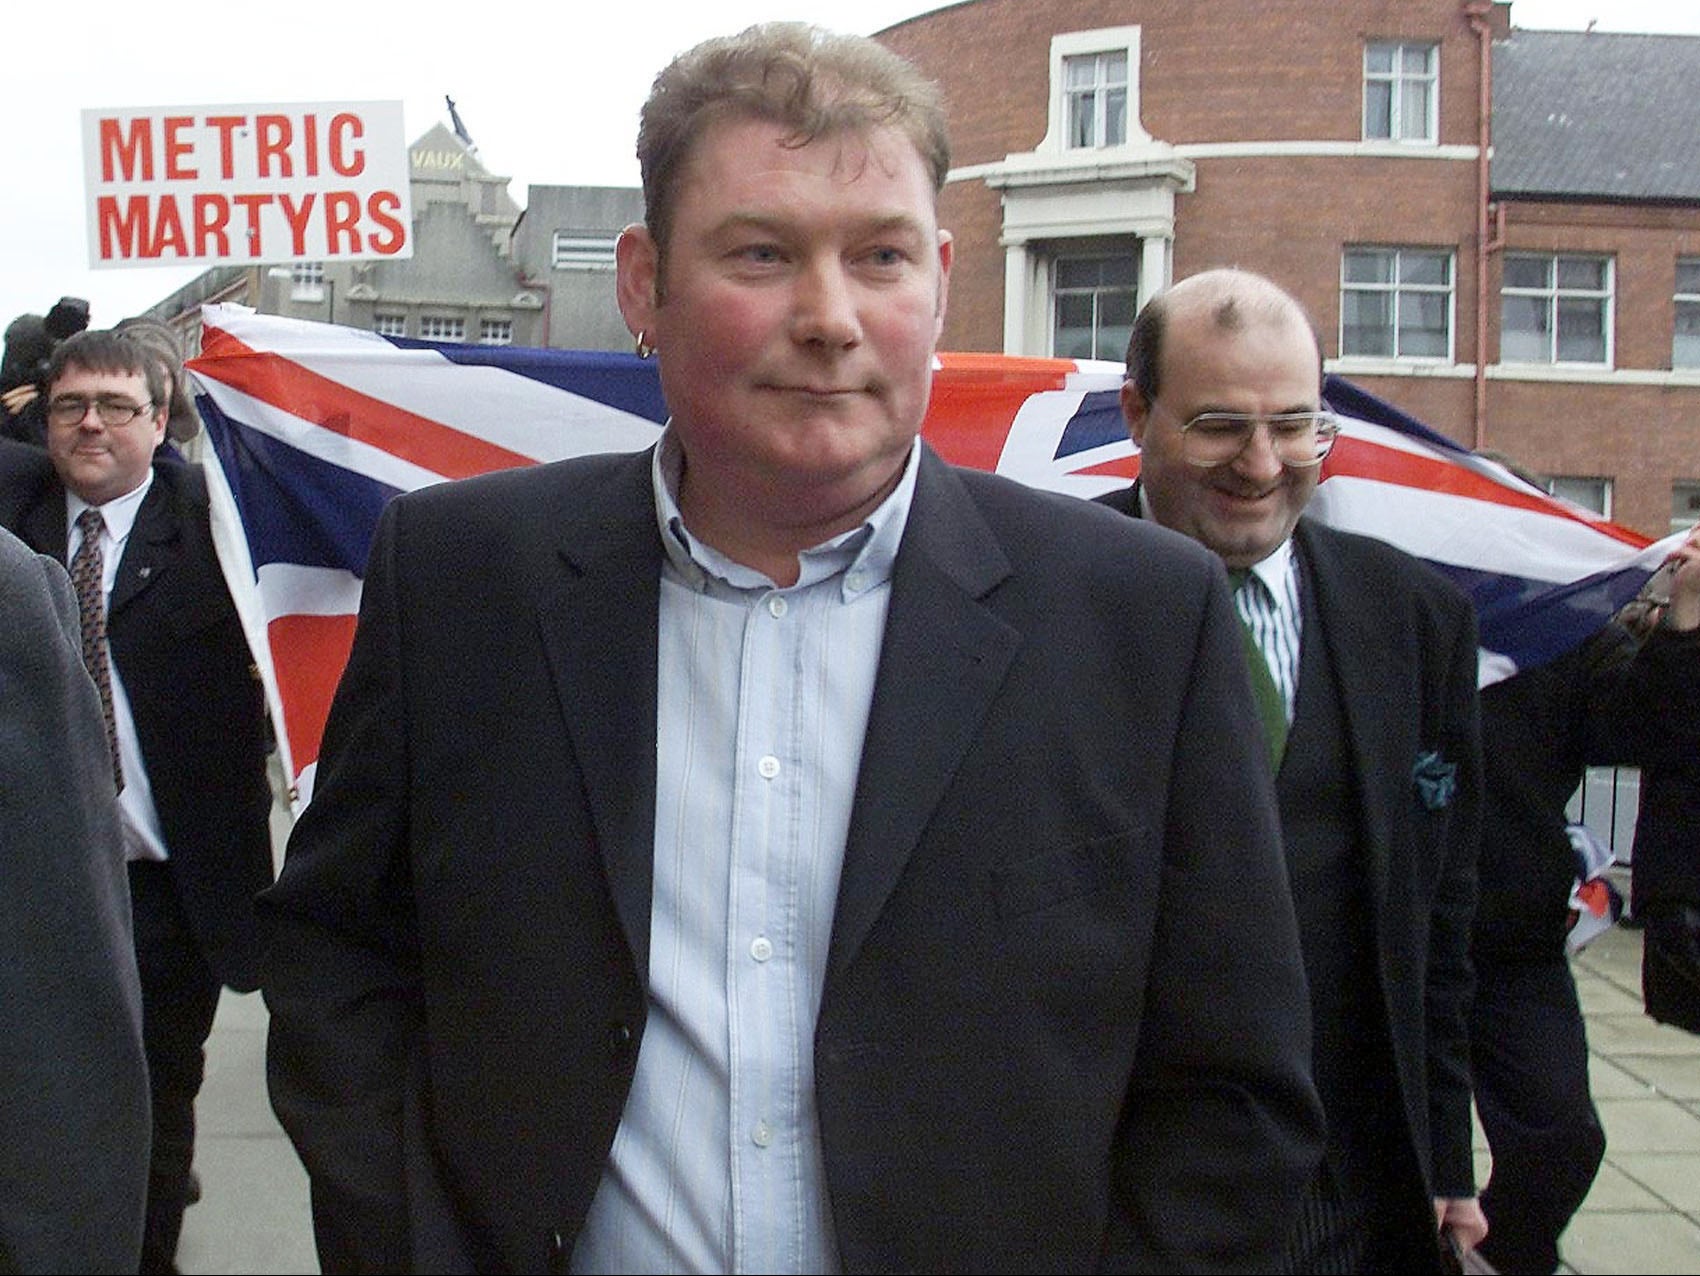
x=315, y=427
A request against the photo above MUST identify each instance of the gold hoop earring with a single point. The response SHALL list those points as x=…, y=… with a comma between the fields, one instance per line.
x=644, y=348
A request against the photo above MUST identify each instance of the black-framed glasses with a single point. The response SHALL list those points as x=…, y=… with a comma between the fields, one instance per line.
x=1299, y=440
x=70, y=409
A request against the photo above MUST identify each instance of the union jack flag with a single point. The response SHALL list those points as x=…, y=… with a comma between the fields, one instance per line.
x=312, y=428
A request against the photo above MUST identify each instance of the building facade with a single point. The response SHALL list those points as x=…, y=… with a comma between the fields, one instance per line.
x=460, y=283
x=1387, y=162
x=564, y=245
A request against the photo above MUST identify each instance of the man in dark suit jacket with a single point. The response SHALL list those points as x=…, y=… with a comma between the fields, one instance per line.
x=1615, y=700
x=779, y=850
x=188, y=715
x=73, y=1082
x=1664, y=889
x=1368, y=661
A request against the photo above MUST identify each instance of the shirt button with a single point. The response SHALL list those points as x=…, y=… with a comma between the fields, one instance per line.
x=761, y=948
x=777, y=606
x=768, y=766
x=762, y=1135
x=856, y=580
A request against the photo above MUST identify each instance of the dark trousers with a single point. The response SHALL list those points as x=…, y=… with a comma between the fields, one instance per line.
x=1529, y=1053
x=179, y=998
x=1371, y=1225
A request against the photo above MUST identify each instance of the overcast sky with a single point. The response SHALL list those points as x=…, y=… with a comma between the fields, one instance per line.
x=549, y=94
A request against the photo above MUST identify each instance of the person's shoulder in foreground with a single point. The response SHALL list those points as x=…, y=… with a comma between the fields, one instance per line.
x=73, y=1082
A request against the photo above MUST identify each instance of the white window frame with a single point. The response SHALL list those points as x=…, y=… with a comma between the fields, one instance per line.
x=495, y=332
x=1398, y=289
x=1069, y=45
x=1102, y=103
x=1590, y=491
x=307, y=281
x=1396, y=80
x=1681, y=523
x=1092, y=250
x=582, y=250
x=389, y=324
x=442, y=328
x=1689, y=300
x=1552, y=294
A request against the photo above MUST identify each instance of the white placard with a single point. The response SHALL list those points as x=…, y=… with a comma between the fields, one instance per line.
x=170, y=186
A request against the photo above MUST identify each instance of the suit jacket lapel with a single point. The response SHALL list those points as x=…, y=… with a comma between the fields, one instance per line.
x=1367, y=674
x=1359, y=657
x=944, y=656
x=153, y=546
x=598, y=616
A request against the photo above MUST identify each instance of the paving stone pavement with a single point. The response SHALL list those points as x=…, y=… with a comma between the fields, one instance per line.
x=1642, y=1216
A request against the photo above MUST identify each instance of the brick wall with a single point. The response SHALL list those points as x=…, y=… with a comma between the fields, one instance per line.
x=1268, y=71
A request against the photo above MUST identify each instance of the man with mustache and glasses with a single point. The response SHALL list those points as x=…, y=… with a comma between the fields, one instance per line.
x=1363, y=664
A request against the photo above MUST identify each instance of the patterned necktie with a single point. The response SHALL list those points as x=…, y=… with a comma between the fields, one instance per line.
x=1271, y=708
x=86, y=576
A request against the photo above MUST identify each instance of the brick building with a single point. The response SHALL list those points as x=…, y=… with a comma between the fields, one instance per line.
x=1496, y=230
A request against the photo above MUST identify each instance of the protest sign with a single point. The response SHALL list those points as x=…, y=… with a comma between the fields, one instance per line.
x=171, y=186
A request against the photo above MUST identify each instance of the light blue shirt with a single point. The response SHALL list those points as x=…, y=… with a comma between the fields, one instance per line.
x=763, y=701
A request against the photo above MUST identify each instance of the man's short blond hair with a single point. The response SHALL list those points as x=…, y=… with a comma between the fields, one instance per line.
x=812, y=82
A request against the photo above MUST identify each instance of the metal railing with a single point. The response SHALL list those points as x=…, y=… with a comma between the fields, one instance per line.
x=1607, y=801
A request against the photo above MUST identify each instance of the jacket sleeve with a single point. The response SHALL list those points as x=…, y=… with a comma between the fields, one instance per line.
x=1643, y=703
x=1223, y=1126
x=1453, y=728
x=341, y=976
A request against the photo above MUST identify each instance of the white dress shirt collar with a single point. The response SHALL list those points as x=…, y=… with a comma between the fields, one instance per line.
x=864, y=554
x=119, y=515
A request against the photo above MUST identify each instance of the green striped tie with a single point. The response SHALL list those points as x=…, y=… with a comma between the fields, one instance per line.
x=1271, y=709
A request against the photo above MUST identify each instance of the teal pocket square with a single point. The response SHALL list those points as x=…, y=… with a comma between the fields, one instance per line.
x=1436, y=780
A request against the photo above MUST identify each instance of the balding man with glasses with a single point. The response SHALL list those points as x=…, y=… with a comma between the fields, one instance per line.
x=1363, y=664
x=183, y=705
